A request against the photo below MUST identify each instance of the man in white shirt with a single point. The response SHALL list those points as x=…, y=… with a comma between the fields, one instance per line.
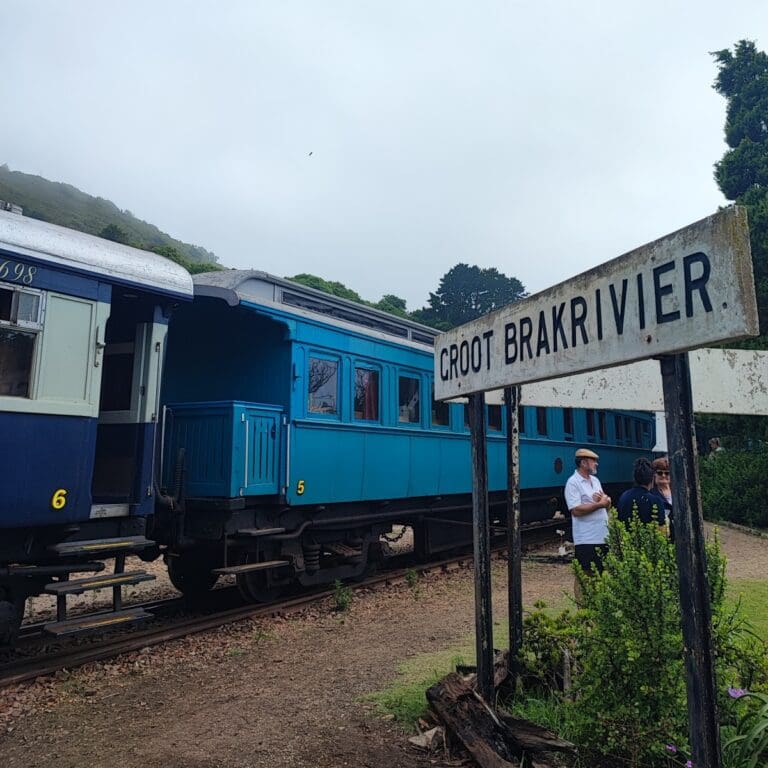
x=589, y=507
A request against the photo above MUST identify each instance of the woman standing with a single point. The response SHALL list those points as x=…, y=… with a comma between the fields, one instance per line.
x=664, y=488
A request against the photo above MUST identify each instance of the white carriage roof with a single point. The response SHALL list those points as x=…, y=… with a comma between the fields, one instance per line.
x=87, y=253
x=235, y=285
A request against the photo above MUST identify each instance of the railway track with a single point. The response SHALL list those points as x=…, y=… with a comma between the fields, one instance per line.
x=108, y=646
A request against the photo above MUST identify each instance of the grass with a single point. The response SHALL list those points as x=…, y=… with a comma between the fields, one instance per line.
x=754, y=599
x=405, y=698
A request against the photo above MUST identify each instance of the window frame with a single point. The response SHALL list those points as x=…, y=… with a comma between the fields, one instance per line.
x=541, y=415
x=27, y=325
x=330, y=358
x=403, y=373
x=442, y=403
x=569, y=434
x=364, y=365
x=33, y=328
x=490, y=429
x=618, y=428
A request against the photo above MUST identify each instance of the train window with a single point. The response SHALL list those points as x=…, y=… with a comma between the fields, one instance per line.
x=494, y=418
x=16, y=353
x=601, y=425
x=590, y=424
x=20, y=317
x=619, y=426
x=628, y=430
x=408, y=400
x=366, y=394
x=568, y=423
x=440, y=412
x=22, y=307
x=520, y=419
x=323, y=385
x=541, y=421
x=638, y=432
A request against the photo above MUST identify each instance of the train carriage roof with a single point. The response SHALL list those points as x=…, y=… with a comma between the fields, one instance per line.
x=94, y=255
x=235, y=286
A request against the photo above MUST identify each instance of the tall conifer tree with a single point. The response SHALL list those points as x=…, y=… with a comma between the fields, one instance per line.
x=742, y=174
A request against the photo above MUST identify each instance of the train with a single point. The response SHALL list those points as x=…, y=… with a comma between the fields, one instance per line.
x=234, y=423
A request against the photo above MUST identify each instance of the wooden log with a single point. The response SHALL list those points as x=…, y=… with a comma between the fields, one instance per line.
x=532, y=737
x=494, y=740
x=467, y=716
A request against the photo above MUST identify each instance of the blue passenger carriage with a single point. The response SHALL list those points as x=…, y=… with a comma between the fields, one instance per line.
x=299, y=427
x=83, y=324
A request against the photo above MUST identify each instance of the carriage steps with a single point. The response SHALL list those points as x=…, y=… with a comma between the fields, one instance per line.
x=78, y=586
x=249, y=567
x=101, y=547
x=64, y=586
x=98, y=622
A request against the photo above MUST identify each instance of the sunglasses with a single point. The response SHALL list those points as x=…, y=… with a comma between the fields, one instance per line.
x=662, y=472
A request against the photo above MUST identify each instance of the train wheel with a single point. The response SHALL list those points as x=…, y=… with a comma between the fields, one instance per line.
x=257, y=586
x=191, y=574
x=11, y=614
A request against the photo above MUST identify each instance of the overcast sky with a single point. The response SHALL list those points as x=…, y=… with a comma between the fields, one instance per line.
x=379, y=143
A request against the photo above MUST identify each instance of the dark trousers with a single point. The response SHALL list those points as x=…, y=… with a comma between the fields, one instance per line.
x=590, y=557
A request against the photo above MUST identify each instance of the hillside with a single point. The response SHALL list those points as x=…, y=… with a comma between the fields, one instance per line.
x=68, y=206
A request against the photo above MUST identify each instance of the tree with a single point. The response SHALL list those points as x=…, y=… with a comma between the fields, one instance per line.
x=114, y=233
x=327, y=286
x=467, y=292
x=392, y=304
x=388, y=303
x=193, y=267
x=742, y=174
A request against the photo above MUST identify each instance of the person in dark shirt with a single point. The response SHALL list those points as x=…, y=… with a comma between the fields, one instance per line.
x=641, y=498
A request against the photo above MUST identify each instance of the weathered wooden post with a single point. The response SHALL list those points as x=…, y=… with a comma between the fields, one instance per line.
x=481, y=535
x=514, y=551
x=691, y=564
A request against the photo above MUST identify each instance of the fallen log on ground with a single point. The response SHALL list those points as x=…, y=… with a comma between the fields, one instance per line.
x=493, y=740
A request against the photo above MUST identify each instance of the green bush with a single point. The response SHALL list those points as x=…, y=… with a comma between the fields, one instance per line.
x=629, y=694
x=342, y=596
x=734, y=486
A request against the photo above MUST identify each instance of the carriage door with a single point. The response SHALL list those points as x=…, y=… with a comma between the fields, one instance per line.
x=127, y=412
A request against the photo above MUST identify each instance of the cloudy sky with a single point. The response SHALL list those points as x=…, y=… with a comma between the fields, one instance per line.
x=379, y=143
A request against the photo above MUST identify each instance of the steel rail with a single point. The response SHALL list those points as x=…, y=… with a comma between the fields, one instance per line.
x=28, y=669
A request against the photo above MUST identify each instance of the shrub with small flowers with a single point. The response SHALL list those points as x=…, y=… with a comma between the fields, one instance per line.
x=629, y=692
x=745, y=741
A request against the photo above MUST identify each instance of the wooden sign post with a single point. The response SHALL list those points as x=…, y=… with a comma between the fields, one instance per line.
x=514, y=551
x=690, y=289
x=481, y=537
x=691, y=563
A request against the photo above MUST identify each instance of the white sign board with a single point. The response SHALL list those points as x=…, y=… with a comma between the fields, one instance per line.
x=730, y=381
x=689, y=289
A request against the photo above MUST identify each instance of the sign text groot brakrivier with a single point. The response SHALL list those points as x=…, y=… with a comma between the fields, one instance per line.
x=689, y=289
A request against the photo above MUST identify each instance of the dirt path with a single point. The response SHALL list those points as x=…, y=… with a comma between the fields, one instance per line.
x=285, y=693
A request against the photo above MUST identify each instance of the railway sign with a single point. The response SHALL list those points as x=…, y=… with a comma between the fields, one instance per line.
x=689, y=289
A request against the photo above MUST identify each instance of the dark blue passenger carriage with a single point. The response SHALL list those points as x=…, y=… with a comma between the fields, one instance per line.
x=301, y=426
x=83, y=324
